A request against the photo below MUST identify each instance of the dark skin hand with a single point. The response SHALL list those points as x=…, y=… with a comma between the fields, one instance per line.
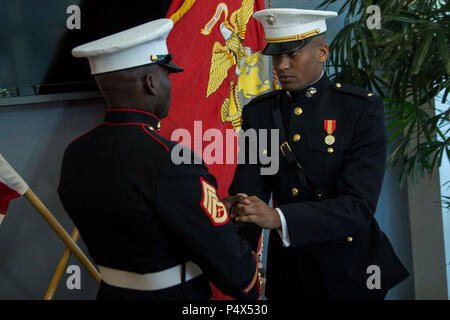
x=230, y=204
x=230, y=201
x=254, y=210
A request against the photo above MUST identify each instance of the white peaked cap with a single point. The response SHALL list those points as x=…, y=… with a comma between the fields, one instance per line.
x=286, y=25
x=134, y=47
x=283, y=25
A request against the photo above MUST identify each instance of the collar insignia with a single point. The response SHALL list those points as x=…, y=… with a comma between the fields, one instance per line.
x=310, y=92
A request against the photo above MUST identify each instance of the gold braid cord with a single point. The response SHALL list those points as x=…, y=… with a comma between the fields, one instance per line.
x=276, y=85
x=187, y=4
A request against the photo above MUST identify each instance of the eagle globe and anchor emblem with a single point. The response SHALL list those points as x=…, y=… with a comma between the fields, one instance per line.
x=224, y=57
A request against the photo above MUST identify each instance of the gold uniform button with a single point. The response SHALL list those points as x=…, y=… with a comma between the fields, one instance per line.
x=349, y=239
x=298, y=111
x=338, y=85
x=159, y=125
x=330, y=150
x=294, y=192
x=296, y=137
x=151, y=128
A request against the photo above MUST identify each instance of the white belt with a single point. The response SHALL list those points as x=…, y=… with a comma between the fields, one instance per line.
x=149, y=281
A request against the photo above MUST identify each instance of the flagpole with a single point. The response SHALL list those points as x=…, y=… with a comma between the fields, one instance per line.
x=60, y=268
x=56, y=226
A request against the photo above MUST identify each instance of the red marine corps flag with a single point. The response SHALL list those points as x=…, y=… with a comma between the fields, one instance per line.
x=217, y=42
x=11, y=186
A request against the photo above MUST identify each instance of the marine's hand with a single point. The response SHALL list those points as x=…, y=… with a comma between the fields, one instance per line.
x=230, y=201
x=253, y=209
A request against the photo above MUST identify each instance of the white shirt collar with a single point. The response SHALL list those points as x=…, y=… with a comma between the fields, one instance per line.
x=318, y=78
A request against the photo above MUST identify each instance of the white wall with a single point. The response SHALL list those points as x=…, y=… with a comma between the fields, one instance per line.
x=32, y=139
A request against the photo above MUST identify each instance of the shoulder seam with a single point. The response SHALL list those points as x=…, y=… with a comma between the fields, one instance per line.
x=159, y=141
x=85, y=133
x=264, y=96
x=346, y=88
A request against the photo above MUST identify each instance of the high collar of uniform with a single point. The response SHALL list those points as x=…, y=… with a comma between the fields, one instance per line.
x=311, y=91
x=131, y=116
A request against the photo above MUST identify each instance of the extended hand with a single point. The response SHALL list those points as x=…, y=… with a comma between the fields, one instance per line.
x=230, y=201
x=253, y=209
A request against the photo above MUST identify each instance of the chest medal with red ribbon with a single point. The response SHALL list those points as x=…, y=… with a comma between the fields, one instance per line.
x=329, y=126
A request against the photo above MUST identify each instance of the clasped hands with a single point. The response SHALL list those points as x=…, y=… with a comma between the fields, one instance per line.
x=245, y=209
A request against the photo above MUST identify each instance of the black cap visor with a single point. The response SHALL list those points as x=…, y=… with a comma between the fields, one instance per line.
x=286, y=47
x=171, y=66
x=166, y=61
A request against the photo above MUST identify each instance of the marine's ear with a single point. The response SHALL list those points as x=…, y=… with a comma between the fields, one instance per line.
x=150, y=84
x=323, y=51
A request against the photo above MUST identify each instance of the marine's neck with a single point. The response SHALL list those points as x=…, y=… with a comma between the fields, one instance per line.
x=294, y=93
x=291, y=94
x=320, y=77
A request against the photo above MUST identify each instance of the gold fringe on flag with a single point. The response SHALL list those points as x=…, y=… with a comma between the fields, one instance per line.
x=187, y=4
x=276, y=86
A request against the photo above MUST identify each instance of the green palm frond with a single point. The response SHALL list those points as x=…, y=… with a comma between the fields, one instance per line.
x=407, y=63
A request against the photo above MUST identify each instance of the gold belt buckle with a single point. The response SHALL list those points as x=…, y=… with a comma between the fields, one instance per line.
x=285, y=144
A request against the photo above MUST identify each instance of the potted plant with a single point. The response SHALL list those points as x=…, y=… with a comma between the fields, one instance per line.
x=405, y=60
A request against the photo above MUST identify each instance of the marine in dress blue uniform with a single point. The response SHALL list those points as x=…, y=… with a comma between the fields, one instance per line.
x=156, y=230
x=324, y=236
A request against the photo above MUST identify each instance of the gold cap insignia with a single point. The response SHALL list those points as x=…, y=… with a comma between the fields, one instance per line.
x=154, y=57
x=271, y=19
